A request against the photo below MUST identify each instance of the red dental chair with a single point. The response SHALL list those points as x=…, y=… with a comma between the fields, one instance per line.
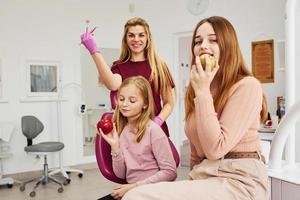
x=103, y=156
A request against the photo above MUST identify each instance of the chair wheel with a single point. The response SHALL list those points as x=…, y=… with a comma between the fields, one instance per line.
x=22, y=188
x=68, y=172
x=9, y=185
x=60, y=190
x=80, y=175
x=32, y=194
x=67, y=181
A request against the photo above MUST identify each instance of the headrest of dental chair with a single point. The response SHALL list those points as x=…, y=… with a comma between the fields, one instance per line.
x=113, y=99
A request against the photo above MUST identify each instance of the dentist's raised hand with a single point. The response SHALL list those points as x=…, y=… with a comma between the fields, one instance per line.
x=202, y=78
x=88, y=41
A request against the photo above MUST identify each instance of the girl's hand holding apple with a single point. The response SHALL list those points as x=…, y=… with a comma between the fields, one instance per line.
x=108, y=132
x=105, y=125
x=201, y=78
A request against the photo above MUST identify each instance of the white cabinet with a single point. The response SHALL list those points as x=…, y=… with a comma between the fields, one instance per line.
x=93, y=115
x=290, y=191
x=283, y=190
x=275, y=189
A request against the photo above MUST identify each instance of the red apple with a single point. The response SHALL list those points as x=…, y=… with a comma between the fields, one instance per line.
x=106, y=125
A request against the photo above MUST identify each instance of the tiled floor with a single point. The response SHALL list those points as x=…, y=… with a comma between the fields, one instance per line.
x=90, y=187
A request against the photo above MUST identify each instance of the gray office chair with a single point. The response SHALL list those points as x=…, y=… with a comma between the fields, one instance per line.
x=31, y=128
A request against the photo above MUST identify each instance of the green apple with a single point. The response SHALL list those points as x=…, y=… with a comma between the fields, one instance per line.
x=212, y=61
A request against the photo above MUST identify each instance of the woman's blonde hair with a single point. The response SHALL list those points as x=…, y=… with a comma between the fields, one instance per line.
x=160, y=74
x=231, y=57
x=144, y=88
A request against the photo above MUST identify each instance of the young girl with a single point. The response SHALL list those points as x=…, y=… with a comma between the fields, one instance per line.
x=137, y=57
x=140, y=151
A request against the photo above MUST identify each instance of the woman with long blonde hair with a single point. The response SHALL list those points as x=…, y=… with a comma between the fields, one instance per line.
x=137, y=57
x=224, y=106
x=140, y=150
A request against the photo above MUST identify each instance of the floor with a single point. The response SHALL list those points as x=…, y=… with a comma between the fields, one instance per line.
x=90, y=187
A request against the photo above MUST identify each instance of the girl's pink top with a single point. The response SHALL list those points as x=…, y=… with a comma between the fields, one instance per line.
x=149, y=161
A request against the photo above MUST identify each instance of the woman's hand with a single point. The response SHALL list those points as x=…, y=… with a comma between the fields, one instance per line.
x=88, y=41
x=111, y=138
x=120, y=190
x=200, y=78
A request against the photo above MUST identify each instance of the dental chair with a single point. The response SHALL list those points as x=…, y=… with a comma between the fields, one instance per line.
x=31, y=128
x=103, y=151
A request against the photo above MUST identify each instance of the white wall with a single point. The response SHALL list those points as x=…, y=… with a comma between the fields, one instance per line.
x=94, y=92
x=297, y=79
x=51, y=29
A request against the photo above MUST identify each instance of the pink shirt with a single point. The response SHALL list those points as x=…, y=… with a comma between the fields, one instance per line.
x=212, y=135
x=149, y=161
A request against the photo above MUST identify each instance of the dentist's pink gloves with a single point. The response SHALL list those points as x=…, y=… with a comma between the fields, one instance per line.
x=158, y=120
x=88, y=41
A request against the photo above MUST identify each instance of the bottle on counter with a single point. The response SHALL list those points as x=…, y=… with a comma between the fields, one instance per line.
x=281, y=109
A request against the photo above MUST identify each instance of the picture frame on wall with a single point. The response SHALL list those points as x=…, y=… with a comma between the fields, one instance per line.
x=42, y=78
x=263, y=60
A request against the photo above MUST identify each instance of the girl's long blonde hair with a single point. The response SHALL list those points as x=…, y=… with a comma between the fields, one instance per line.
x=144, y=88
x=231, y=57
x=160, y=73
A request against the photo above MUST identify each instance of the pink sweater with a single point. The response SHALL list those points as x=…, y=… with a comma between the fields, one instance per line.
x=149, y=161
x=212, y=135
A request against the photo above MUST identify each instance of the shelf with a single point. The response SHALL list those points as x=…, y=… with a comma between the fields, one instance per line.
x=99, y=108
x=4, y=101
x=266, y=136
x=42, y=100
x=267, y=130
x=5, y=154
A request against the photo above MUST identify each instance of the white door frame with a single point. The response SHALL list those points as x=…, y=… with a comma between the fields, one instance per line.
x=178, y=112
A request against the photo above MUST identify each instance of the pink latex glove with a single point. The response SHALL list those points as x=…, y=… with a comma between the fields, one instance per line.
x=88, y=41
x=158, y=120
